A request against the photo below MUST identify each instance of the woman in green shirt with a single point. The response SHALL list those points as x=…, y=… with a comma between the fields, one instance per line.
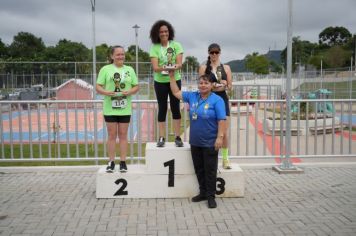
x=117, y=82
x=166, y=55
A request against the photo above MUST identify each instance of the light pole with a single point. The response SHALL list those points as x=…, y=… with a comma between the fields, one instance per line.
x=136, y=27
x=94, y=80
x=94, y=47
x=286, y=164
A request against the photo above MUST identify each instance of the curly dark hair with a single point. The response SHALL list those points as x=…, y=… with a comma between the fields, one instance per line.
x=154, y=34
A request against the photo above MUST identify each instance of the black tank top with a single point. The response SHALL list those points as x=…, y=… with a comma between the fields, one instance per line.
x=223, y=77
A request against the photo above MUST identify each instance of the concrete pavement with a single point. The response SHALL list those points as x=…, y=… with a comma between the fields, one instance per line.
x=61, y=201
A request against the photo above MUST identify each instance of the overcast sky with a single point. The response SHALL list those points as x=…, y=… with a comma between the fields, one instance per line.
x=239, y=26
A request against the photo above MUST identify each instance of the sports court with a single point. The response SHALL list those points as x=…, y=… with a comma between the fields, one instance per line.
x=60, y=125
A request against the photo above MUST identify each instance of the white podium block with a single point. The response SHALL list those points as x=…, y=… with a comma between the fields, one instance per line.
x=230, y=183
x=138, y=183
x=158, y=158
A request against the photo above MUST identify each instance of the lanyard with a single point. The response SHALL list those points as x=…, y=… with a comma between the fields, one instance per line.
x=199, y=103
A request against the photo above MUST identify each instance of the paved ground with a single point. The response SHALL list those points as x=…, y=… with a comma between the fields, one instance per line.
x=61, y=201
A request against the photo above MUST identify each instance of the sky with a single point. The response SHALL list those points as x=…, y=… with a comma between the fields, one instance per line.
x=240, y=27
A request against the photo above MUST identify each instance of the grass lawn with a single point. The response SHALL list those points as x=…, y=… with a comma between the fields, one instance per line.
x=340, y=90
x=63, y=154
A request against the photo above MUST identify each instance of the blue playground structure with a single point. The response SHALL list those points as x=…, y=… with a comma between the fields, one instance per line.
x=321, y=107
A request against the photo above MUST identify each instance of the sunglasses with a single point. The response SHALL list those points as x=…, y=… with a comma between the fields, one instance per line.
x=214, y=52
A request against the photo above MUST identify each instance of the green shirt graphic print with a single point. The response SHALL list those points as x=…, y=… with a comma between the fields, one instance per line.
x=108, y=78
x=159, y=52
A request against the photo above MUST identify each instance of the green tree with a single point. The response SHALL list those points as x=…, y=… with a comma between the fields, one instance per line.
x=315, y=60
x=68, y=51
x=3, y=56
x=143, y=59
x=3, y=50
x=26, y=47
x=336, y=56
x=131, y=54
x=257, y=64
x=332, y=36
x=302, y=50
x=102, y=52
x=191, y=62
x=274, y=67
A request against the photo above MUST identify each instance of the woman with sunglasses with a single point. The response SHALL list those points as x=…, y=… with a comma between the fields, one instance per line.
x=222, y=81
x=166, y=55
x=207, y=130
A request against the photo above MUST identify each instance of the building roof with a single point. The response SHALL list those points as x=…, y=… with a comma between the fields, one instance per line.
x=79, y=82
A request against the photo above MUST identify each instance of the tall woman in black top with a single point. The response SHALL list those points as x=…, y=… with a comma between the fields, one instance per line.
x=221, y=75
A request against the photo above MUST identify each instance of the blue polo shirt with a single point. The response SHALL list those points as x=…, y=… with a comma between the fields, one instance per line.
x=204, y=129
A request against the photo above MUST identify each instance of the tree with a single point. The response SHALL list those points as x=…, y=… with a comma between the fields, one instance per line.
x=332, y=36
x=68, y=51
x=274, y=67
x=337, y=56
x=102, y=52
x=131, y=54
x=301, y=52
x=315, y=60
x=3, y=50
x=257, y=63
x=3, y=55
x=144, y=68
x=26, y=46
x=191, y=62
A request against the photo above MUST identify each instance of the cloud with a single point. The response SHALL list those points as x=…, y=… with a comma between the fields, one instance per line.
x=239, y=26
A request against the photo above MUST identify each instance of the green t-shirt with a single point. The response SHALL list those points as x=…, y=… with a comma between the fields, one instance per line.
x=117, y=79
x=160, y=52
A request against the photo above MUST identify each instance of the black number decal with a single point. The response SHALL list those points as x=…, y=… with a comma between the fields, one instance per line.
x=220, y=184
x=122, y=188
x=170, y=165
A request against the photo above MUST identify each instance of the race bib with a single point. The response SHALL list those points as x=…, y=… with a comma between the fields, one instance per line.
x=119, y=103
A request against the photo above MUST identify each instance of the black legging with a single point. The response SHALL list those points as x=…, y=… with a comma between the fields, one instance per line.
x=162, y=91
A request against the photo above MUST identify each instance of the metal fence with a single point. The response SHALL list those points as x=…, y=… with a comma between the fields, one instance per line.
x=74, y=130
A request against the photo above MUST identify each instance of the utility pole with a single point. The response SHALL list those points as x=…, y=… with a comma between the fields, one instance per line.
x=286, y=164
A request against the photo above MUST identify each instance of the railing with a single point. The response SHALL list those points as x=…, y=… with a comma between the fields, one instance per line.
x=75, y=130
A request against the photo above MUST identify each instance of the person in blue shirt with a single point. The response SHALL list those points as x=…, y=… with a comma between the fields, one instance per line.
x=222, y=83
x=207, y=129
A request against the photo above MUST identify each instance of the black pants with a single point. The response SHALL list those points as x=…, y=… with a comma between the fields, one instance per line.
x=205, y=161
x=162, y=91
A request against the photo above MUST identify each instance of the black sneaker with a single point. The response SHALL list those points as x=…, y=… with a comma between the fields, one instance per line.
x=211, y=202
x=111, y=167
x=199, y=198
x=160, y=142
x=178, y=142
x=123, y=167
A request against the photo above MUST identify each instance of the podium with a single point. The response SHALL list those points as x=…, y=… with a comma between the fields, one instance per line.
x=168, y=173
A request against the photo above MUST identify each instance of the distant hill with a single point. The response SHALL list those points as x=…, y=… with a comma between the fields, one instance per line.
x=239, y=65
x=274, y=55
